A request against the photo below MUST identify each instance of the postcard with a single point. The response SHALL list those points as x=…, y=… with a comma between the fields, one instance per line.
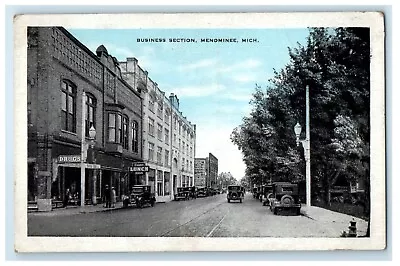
x=199, y=132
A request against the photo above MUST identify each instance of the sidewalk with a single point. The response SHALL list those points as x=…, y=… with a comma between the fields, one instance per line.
x=73, y=210
x=338, y=220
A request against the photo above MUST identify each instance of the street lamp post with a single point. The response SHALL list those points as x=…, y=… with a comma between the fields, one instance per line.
x=92, y=138
x=306, y=147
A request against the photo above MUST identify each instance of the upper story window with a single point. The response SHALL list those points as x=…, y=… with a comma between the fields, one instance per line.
x=68, y=106
x=135, y=137
x=175, y=123
x=125, y=132
x=114, y=127
x=159, y=155
x=151, y=105
x=90, y=113
x=166, y=117
x=183, y=147
x=151, y=126
x=166, y=136
x=159, y=131
x=160, y=110
x=166, y=158
x=151, y=151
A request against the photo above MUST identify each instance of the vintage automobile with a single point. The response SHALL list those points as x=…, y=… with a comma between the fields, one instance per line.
x=201, y=192
x=286, y=197
x=182, y=193
x=140, y=196
x=235, y=193
x=267, y=195
x=192, y=192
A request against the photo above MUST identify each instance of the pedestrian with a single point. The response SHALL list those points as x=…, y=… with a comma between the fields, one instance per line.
x=66, y=197
x=106, y=196
x=113, y=197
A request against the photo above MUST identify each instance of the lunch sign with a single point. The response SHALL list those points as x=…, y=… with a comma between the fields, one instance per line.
x=139, y=168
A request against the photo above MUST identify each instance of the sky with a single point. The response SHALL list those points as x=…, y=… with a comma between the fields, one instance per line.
x=214, y=81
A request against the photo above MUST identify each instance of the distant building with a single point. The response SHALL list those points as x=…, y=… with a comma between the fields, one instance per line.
x=212, y=170
x=200, y=172
x=206, y=171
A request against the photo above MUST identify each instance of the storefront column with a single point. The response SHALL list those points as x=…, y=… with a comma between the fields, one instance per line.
x=94, y=183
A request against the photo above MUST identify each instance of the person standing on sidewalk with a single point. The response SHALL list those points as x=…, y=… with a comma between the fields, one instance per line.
x=66, y=198
x=107, y=196
x=113, y=197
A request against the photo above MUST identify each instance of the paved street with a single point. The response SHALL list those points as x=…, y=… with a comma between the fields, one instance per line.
x=203, y=217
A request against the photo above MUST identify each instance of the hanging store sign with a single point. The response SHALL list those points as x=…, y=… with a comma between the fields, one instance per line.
x=69, y=159
x=139, y=168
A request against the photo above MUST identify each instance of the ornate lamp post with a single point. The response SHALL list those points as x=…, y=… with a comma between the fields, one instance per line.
x=306, y=147
x=92, y=141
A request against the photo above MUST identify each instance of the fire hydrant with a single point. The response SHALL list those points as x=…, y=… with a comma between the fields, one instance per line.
x=352, y=229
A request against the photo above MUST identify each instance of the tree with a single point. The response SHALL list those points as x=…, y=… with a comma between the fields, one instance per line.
x=334, y=63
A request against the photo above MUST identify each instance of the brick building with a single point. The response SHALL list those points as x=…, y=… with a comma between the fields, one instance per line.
x=206, y=171
x=70, y=90
x=169, y=138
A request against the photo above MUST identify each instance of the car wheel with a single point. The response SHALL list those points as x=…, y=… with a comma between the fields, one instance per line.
x=264, y=204
x=240, y=200
x=229, y=201
x=275, y=211
x=152, y=203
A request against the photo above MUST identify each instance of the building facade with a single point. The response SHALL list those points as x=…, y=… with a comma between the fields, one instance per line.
x=200, y=172
x=169, y=138
x=71, y=90
x=206, y=171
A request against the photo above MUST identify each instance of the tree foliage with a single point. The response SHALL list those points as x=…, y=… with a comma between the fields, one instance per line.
x=334, y=63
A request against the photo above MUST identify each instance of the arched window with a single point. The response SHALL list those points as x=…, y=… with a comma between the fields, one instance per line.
x=68, y=106
x=90, y=112
x=135, y=137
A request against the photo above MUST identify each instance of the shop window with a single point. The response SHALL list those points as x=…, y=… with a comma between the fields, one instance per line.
x=68, y=106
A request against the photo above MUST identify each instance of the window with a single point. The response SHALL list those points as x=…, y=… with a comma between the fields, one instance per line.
x=166, y=158
x=125, y=134
x=68, y=107
x=183, y=147
x=90, y=113
x=187, y=164
x=159, y=131
x=119, y=128
x=166, y=136
x=179, y=144
x=175, y=122
x=166, y=117
x=174, y=139
x=191, y=166
x=180, y=129
x=151, y=127
x=151, y=151
x=183, y=163
x=187, y=149
x=159, y=154
x=160, y=110
x=111, y=127
x=191, y=151
x=151, y=106
x=135, y=137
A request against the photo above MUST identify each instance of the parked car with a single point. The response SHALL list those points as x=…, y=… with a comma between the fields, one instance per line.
x=140, y=196
x=286, y=197
x=235, y=193
x=181, y=193
x=192, y=192
x=267, y=195
x=201, y=192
